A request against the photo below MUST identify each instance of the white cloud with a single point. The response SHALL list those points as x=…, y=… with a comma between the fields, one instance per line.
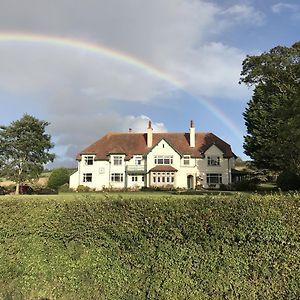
x=243, y=13
x=282, y=7
x=81, y=92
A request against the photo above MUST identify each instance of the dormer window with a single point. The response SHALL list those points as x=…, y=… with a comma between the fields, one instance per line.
x=186, y=160
x=213, y=160
x=117, y=160
x=89, y=160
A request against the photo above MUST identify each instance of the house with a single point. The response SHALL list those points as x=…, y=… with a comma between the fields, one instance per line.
x=135, y=160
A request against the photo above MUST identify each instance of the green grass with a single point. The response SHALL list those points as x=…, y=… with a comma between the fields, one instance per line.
x=150, y=246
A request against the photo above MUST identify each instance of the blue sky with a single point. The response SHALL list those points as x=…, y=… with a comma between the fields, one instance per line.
x=199, y=43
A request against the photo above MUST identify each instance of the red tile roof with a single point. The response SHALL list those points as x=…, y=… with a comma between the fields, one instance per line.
x=136, y=143
x=163, y=168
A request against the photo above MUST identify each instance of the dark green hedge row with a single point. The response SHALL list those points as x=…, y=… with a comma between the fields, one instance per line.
x=173, y=247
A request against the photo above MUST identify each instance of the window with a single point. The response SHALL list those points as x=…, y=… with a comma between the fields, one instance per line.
x=87, y=177
x=163, y=159
x=88, y=160
x=134, y=178
x=117, y=177
x=138, y=160
x=163, y=177
x=186, y=160
x=213, y=160
x=117, y=160
x=214, y=178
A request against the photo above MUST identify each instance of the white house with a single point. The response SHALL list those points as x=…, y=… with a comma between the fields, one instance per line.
x=135, y=160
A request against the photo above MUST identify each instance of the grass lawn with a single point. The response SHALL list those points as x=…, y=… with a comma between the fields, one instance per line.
x=150, y=246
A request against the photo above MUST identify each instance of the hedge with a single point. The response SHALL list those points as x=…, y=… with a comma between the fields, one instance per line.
x=168, y=247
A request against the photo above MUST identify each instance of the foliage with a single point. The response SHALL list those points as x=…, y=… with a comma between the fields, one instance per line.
x=24, y=149
x=65, y=188
x=84, y=189
x=288, y=180
x=163, y=247
x=58, y=177
x=273, y=114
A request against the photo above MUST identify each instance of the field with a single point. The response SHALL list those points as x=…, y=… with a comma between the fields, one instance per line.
x=150, y=246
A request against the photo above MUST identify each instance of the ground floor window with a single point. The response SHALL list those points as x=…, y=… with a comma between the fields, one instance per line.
x=117, y=177
x=134, y=178
x=87, y=177
x=163, y=177
x=214, y=178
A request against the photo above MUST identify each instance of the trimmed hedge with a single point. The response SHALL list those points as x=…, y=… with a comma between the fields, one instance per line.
x=169, y=247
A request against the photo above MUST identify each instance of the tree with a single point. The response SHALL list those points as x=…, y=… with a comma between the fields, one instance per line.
x=24, y=149
x=273, y=114
x=58, y=177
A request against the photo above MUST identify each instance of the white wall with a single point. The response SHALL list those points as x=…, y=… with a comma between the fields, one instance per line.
x=204, y=168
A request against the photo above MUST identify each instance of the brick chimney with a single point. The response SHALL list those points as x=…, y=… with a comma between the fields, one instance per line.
x=149, y=135
x=192, y=134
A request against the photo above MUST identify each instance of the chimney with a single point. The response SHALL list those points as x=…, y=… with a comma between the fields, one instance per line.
x=192, y=134
x=149, y=135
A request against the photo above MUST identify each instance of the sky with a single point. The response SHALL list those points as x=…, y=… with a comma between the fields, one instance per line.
x=94, y=66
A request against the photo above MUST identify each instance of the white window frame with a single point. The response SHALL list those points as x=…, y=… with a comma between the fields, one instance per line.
x=163, y=178
x=117, y=160
x=138, y=160
x=163, y=159
x=134, y=178
x=217, y=178
x=117, y=177
x=213, y=160
x=88, y=160
x=87, y=177
x=186, y=160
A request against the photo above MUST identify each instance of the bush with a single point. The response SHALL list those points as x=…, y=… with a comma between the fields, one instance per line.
x=58, y=177
x=84, y=189
x=65, y=188
x=174, y=247
x=245, y=185
x=288, y=180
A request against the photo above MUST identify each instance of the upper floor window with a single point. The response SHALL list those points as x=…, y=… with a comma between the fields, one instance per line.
x=186, y=160
x=163, y=159
x=88, y=160
x=138, y=160
x=87, y=177
x=117, y=160
x=213, y=160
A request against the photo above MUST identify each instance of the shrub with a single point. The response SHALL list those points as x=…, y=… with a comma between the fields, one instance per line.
x=84, y=189
x=245, y=185
x=288, y=180
x=58, y=177
x=65, y=188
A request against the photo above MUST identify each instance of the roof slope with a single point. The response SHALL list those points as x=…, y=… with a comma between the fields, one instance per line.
x=136, y=143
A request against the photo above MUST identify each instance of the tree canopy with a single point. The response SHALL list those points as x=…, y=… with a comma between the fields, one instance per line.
x=24, y=149
x=272, y=116
x=58, y=177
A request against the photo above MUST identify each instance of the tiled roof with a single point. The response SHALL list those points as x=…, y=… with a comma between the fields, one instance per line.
x=136, y=143
x=163, y=168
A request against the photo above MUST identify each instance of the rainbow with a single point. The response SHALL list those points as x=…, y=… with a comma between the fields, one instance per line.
x=6, y=37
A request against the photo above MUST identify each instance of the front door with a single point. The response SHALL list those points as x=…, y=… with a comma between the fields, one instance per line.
x=190, y=182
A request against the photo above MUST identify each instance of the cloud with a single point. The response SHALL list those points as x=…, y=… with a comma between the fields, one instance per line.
x=243, y=13
x=280, y=7
x=80, y=92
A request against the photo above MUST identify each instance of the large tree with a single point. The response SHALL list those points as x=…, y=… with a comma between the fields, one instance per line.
x=24, y=149
x=273, y=114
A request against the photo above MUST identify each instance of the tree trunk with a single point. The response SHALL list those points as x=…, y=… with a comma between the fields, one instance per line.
x=18, y=188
